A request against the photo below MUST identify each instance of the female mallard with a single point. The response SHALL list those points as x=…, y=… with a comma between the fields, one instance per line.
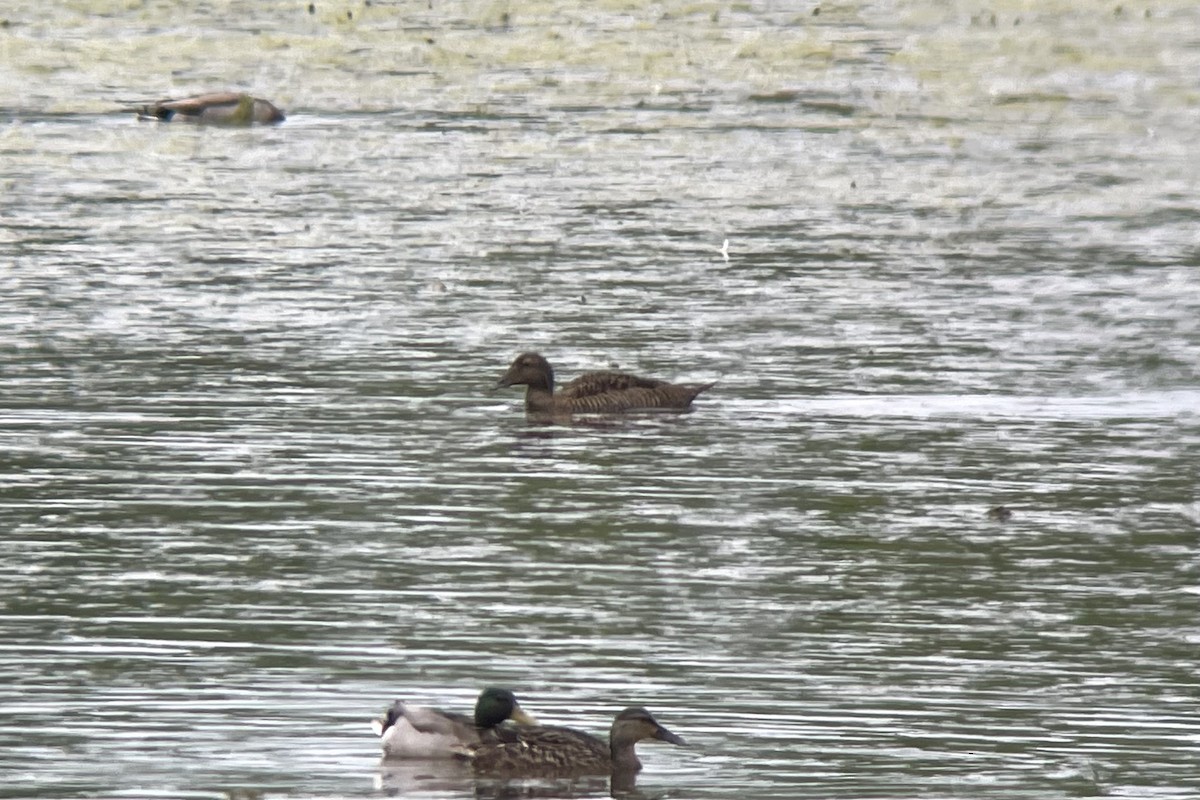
x=219, y=108
x=594, y=392
x=548, y=750
x=418, y=732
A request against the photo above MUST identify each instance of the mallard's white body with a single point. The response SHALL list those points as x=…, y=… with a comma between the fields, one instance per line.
x=424, y=733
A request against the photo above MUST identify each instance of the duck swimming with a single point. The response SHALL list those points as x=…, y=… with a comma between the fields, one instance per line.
x=218, y=108
x=595, y=392
x=551, y=750
x=410, y=731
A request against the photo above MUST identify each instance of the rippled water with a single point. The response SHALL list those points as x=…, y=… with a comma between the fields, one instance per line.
x=255, y=486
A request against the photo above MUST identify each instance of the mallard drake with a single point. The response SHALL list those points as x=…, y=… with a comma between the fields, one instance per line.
x=218, y=108
x=594, y=392
x=550, y=750
x=419, y=732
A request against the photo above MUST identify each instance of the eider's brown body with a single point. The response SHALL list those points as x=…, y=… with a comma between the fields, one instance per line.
x=595, y=392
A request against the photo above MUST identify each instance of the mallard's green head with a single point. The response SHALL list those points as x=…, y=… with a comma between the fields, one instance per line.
x=634, y=724
x=497, y=705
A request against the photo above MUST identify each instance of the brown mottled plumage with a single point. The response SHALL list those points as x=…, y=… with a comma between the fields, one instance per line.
x=595, y=392
x=551, y=750
x=218, y=108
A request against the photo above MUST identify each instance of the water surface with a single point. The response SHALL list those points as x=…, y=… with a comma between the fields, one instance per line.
x=255, y=485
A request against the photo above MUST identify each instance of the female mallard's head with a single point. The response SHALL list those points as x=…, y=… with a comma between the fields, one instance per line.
x=497, y=705
x=634, y=724
x=630, y=727
x=531, y=370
